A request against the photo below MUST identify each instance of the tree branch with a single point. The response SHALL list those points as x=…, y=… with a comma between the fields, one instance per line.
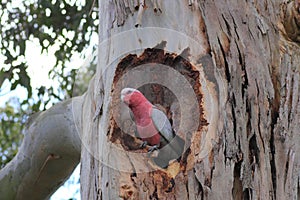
x=49, y=153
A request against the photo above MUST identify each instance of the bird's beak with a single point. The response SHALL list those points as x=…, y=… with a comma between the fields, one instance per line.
x=122, y=97
x=126, y=94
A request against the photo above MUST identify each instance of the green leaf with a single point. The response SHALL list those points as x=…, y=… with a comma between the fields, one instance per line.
x=14, y=85
x=24, y=80
x=3, y=75
x=22, y=45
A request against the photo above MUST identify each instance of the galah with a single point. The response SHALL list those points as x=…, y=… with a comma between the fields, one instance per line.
x=153, y=126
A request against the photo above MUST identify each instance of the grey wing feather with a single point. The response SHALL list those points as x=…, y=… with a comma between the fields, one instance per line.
x=172, y=145
x=131, y=115
x=132, y=118
x=162, y=124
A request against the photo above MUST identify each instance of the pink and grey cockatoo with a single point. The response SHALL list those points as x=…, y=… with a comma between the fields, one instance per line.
x=152, y=125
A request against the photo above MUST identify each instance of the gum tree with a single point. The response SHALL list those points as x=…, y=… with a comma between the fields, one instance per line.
x=227, y=76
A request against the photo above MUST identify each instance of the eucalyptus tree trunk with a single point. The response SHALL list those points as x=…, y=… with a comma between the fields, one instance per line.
x=226, y=73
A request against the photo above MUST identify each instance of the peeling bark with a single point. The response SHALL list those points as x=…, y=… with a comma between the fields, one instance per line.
x=241, y=60
x=249, y=83
x=291, y=20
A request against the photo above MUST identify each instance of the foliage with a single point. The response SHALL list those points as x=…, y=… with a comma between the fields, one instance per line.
x=64, y=24
x=85, y=73
x=11, y=123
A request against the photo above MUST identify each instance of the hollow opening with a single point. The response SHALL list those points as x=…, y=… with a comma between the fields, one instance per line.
x=166, y=89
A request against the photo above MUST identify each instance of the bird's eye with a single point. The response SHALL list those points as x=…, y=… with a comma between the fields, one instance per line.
x=128, y=92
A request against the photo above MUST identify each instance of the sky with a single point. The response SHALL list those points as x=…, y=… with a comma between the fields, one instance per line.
x=39, y=65
x=71, y=189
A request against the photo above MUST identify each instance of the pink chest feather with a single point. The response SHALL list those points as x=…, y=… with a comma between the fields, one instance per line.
x=149, y=133
x=142, y=110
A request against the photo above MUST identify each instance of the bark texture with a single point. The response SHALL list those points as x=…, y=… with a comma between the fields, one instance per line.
x=49, y=153
x=247, y=67
x=240, y=127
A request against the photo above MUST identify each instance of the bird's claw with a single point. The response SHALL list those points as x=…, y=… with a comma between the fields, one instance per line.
x=153, y=148
x=144, y=144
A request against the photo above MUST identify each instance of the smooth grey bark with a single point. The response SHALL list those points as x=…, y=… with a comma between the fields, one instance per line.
x=251, y=73
x=49, y=153
x=248, y=61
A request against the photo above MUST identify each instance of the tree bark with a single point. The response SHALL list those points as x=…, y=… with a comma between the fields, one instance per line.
x=49, y=153
x=246, y=82
x=225, y=73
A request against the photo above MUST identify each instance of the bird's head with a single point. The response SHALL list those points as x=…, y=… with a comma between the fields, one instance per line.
x=131, y=96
